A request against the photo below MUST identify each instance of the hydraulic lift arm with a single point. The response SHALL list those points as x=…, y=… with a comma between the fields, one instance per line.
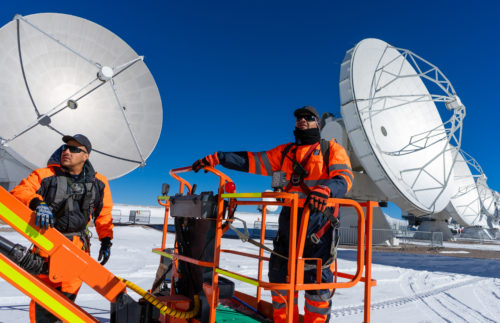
x=34, y=288
x=66, y=260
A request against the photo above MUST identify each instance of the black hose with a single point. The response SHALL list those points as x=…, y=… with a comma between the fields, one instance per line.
x=31, y=262
x=14, y=252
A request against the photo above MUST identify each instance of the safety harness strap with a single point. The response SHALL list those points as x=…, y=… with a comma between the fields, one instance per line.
x=284, y=153
x=84, y=236
x=307, y=155
x=315, y=237
x=298, y=179
x=325, y=151
x=64, y=200
x=61, y=190
x=88, y=200
x=245, y=237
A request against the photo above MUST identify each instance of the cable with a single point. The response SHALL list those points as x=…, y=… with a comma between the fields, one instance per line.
x=249, y=306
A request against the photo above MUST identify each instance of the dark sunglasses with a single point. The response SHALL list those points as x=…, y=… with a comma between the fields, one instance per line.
x=72, y=149
x=307, y=117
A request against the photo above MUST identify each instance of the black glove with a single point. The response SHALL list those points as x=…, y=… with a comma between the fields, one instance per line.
x=318, y=198
x=105, y=250
x=210, y=160
x=44, y=216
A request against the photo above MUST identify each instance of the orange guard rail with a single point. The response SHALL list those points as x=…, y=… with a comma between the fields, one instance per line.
x=296, y=262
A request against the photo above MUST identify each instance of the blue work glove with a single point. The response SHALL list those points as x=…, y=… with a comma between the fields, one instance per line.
x=44, y=216
x=105, y=250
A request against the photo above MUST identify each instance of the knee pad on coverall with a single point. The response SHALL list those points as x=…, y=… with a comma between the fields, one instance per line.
x=279, y=306
x=68, y=288
x=317, y=305
x=317, y=308
x=277, y=274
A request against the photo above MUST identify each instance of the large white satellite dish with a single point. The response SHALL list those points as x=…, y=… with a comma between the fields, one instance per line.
x=486, y=195
x=61, y=74
x=497, y=207
x=497, y=201
x=363, y=187
x=388, y=103
x=11, y=170
x=465, y=204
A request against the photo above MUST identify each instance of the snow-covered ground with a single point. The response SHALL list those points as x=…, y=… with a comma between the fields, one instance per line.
x=410, y=288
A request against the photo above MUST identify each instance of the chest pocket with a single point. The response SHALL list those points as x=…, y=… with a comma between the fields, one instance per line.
x=322, y=152
x=315, y=166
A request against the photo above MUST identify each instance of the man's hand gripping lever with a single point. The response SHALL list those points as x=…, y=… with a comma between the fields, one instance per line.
x=210, y=160
x=44, y=216
x=318, y=198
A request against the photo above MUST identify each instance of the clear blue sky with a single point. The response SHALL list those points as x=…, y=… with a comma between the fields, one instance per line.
x=230, y=73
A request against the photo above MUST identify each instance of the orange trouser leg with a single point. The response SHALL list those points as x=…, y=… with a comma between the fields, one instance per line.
x=69, y=288
x=279, y=306
x=316, y=309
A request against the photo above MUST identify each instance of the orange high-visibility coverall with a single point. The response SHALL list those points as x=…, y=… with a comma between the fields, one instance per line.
x=41, y=185
x=337, y=175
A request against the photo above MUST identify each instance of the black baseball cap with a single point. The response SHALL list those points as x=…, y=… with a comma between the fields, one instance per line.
x=306, y=110
x=81, y=139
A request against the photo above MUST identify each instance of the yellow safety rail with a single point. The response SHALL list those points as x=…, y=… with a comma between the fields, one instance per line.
x=296, y=262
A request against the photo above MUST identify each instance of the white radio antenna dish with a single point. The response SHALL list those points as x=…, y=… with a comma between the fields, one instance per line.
x=62, y=75
x=487, y=196
x=497, y=207
x=11, y=170
x=363, y=187
x=388, y=103
x=465, y=204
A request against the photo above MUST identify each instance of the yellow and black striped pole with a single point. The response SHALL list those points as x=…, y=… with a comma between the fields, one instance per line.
x=164, y=309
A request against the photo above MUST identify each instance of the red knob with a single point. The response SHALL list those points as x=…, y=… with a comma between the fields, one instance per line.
x=230, y=187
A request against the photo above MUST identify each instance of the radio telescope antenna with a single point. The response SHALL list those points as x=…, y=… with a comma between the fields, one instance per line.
x=487, y=196
x=389, y=98
x=62, y=75
x=465, y=204
x=497, y=207
x=474, y=171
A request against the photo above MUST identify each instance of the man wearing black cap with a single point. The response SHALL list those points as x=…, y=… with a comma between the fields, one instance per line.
x=66, y=195
x=316, y=170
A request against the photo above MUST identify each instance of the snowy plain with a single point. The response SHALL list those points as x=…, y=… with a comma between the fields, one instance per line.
x=410, y=288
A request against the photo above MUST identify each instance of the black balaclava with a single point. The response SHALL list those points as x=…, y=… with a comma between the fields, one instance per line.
x=309, y=136
x=306, y=137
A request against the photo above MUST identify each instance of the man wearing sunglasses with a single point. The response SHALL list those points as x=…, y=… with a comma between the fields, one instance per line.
x=66, y=195
x=316, y=170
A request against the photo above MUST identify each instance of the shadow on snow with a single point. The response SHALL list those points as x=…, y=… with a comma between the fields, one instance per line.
x=465, y=266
